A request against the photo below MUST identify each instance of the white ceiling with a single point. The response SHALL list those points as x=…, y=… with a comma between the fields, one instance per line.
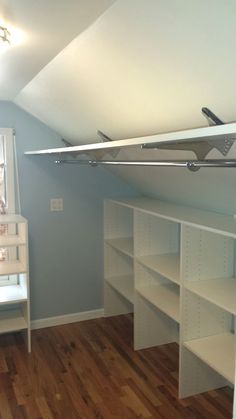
x=44, y=27
x=143, y=67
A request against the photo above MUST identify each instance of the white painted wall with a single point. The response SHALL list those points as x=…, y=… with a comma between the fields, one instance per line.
x=147, y=67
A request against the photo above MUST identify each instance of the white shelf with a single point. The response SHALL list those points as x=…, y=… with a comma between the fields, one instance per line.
x=219, y=132
x=166, y=265
x=11, y=268
x=124, y=285
x=210, y=221
x=12, y=294
x=221, y=292
x=164, y=297
x=124, y=245
x=217, y=351
x=11, y=240
x=12, y=219
x=11, y=321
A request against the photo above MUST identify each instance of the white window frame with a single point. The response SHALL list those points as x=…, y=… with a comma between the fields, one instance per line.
x=8, y=138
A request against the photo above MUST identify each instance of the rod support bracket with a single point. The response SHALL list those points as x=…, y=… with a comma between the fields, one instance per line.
x=192, y=167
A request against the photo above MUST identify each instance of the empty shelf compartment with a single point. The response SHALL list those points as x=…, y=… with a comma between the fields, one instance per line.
x=164, y=297
x=124, y=245
x=124, y=285
x=221, y=292
x=11, y=321
x=217, y=351
x=167, y=265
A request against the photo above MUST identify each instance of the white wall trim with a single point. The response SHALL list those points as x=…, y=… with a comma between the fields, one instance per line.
x=67, y=318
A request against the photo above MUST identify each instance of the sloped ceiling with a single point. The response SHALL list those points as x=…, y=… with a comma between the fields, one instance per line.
x=40, y=30
x=146, y=67
x=143, y=67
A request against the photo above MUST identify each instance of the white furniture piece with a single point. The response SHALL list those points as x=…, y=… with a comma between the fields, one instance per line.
x=175, y=267
x=14, y=276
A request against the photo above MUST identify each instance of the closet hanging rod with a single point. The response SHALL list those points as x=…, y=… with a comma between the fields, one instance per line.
x=192, y=165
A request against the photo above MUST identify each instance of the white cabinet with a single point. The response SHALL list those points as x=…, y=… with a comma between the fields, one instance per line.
x=176, y=267
x=14, y=276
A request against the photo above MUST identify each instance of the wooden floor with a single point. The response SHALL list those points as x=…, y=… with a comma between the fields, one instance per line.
x=89, y=370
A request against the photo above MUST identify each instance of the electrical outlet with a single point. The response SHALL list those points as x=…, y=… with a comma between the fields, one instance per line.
x=56, y=204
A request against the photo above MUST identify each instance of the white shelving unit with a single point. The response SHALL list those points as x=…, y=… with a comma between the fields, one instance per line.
x=14, y=277
x=177, y=265
x=156, y=248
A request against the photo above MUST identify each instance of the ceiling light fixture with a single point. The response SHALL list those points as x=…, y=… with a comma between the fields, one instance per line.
x=4, y=38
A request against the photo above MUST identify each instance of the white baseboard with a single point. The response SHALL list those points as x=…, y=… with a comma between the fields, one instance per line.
x=67, y=318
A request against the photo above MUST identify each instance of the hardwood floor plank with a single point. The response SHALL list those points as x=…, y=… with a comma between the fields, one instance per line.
x=5, y=409
x=89, y=370
x=132, y=401
x=43, y=408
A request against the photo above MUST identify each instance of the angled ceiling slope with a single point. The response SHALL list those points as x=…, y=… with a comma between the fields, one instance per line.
x=40, y=29
x=145, y=68
x=142, y=68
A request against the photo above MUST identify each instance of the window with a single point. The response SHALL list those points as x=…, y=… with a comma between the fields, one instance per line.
x=7, y=195
x=7, y=187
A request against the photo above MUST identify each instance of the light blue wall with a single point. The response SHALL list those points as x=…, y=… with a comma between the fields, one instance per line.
x=66, y=248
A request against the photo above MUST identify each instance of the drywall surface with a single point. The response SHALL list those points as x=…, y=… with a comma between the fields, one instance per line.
x=212, y=189
x=66, y=248
x=143, y=67
x=147, y=67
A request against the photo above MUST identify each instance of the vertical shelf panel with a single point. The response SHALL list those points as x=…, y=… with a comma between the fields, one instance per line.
x=204, y=255
x=118, y=258
x=156, y=309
